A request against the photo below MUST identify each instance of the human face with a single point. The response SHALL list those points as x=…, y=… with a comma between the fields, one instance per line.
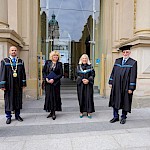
x=55, y=58
x=13, y=51
x=126, y=53
x=84, y=60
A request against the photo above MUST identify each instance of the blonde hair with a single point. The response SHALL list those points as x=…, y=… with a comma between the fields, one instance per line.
x=52, y=53
x=84, y=55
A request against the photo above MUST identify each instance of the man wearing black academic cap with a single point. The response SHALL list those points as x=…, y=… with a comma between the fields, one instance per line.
x=122, y=83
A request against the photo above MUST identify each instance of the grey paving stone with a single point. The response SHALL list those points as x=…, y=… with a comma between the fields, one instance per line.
x=95, y=143
x=69, y=132
x=66, y=128
x=48, y=144
x=137, y=148
x=129, y=140
x=12, y=145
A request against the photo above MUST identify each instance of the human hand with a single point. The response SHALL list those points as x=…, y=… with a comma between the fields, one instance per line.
x=51, y=81
x=3, y=89
x=47, y=80
x=85, y=81
x=130, y=91
x=110, y=85
x=23, y=88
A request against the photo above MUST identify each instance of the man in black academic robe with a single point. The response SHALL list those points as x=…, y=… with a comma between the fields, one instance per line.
x=122, y=83
x=12, y=82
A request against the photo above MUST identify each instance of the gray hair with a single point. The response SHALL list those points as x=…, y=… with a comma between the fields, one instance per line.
x=84, y=55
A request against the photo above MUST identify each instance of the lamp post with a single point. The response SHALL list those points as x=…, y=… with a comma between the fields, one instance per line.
x=53, y=28
x=93, y=37
x=93, y=46
x=47, y=40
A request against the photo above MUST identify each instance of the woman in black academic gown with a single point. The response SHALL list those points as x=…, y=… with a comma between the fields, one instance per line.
x=52, y=73
x=85, y=82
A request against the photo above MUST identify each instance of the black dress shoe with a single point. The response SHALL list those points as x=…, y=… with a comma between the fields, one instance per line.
x=19, y=119
x=50, y=115
x=54, y=117
x=123, y=121
x=8, y=121
x=114, y=120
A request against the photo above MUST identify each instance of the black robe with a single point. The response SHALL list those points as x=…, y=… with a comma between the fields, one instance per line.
x=122, y=79
x=13, y=86
x=85, y=91
x=52, y=91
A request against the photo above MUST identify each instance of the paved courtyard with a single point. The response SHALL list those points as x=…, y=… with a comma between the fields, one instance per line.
x=69, y=132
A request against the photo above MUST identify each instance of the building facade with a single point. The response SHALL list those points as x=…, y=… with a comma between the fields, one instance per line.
x=124, y=22
x=121, y=22
x=20, y=26
x=83, y=46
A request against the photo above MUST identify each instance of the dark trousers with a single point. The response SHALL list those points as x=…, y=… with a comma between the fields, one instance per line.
x=8, y=113
x=116, y=113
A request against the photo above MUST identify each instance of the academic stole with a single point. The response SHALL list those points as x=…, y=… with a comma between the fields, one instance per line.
x=14, y=70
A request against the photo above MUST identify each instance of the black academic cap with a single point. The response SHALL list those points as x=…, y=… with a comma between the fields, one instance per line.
x=126, y=47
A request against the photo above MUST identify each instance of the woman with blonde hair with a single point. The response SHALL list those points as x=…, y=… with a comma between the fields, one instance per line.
x=85, y=82
x=52, y=73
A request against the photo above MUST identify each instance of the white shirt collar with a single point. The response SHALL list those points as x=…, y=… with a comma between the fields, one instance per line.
x=125, y=58
x=13, y=57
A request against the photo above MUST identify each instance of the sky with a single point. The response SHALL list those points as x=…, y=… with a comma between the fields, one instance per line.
x=71, y=21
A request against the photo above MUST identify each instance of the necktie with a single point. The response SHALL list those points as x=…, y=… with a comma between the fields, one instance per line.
x=14, y=60
x=123, y=62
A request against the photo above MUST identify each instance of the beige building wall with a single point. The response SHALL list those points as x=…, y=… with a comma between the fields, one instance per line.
x=124, y=22
x=20, y=26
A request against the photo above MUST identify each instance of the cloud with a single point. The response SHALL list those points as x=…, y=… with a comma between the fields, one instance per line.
x=69, y=14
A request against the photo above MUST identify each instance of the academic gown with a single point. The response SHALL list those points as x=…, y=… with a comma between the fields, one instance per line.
x=122, y=79
x=85, y=91
x=13, y=86
x=52, y=91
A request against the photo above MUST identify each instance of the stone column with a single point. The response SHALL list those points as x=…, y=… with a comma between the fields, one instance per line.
x=3, y=13
x=141, y=50
x=142, y=17
x=3, y=45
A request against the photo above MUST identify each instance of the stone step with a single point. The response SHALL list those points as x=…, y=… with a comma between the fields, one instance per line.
x=68, y=88
x=74, y=91
x=64, y=109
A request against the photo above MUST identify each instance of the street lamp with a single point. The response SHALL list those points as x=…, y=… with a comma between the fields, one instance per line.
x=52, y=41
x=93, y=38
x=53, y=29
x=47, y=20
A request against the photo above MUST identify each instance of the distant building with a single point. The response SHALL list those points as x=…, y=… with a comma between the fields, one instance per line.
x=53, y=28
x=20, y=26
x=123, y=22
